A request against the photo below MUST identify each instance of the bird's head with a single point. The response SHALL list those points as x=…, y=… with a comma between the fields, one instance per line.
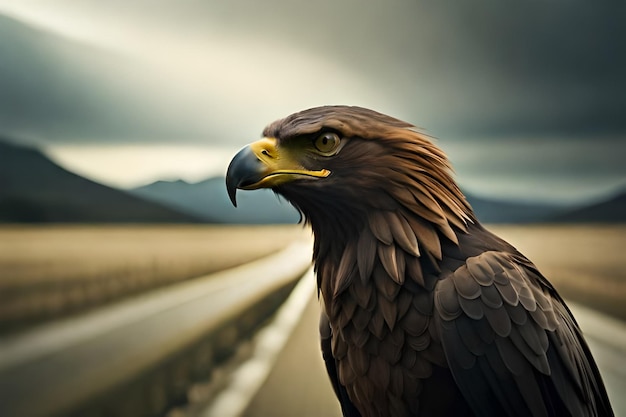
x=337, y=164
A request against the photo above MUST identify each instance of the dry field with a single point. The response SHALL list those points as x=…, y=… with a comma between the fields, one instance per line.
x=47, y=271
x=586, y=263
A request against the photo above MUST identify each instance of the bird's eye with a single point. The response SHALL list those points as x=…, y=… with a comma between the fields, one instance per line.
x=327, y=142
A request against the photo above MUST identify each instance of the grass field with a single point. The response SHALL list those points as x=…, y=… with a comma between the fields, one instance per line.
x=47, y=271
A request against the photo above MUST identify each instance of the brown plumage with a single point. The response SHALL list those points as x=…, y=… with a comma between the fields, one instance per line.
x=426, y=313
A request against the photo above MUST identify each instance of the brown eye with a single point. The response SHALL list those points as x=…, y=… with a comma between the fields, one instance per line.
x=327, y=142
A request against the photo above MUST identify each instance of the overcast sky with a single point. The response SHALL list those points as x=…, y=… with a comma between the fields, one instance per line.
x=527, y=98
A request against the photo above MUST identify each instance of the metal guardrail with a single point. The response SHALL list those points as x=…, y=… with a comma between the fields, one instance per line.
x=137, y=357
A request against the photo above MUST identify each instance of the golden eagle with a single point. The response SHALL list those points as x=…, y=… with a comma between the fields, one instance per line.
x=426, y=312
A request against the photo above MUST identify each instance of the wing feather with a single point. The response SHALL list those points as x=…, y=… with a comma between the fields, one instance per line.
x=508, y=336
x=346, y=270
x=366, y=253
x=329, y=355
x=427, y=234
x=402, y=233
x=380, y=228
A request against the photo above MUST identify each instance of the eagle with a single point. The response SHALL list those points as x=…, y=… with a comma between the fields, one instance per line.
x=424, y=311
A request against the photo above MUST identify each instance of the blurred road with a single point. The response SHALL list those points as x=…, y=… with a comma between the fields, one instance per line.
x=606, y=337
x=58, y=368
x=298, y=386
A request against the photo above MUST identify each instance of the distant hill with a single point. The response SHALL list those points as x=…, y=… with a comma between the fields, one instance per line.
x=208, y=199
x=498, y=211
x=612, y=210
x=35, y=189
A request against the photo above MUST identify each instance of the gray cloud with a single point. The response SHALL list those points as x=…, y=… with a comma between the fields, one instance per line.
x=521, y=94
x=479, y=68
x=545, y=168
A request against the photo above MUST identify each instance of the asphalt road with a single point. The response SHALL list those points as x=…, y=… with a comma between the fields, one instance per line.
x=297, y=385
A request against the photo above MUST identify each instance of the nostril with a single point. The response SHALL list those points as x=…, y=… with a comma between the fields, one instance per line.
x=266, y=152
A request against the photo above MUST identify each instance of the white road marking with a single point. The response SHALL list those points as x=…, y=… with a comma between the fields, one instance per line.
x=250, y=376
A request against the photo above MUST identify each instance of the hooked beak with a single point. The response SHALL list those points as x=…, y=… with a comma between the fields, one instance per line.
x=263, y=164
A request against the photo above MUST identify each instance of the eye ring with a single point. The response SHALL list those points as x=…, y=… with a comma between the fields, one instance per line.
x=327, y=142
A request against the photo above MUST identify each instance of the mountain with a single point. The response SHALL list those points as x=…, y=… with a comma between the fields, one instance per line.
x=499, y=211
x=208, y=199
x=35, y=189
x=612, y=210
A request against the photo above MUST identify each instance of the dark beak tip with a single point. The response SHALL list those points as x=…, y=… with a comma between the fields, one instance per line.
x=232, y=194
x=231, y=188
x=241, y=166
